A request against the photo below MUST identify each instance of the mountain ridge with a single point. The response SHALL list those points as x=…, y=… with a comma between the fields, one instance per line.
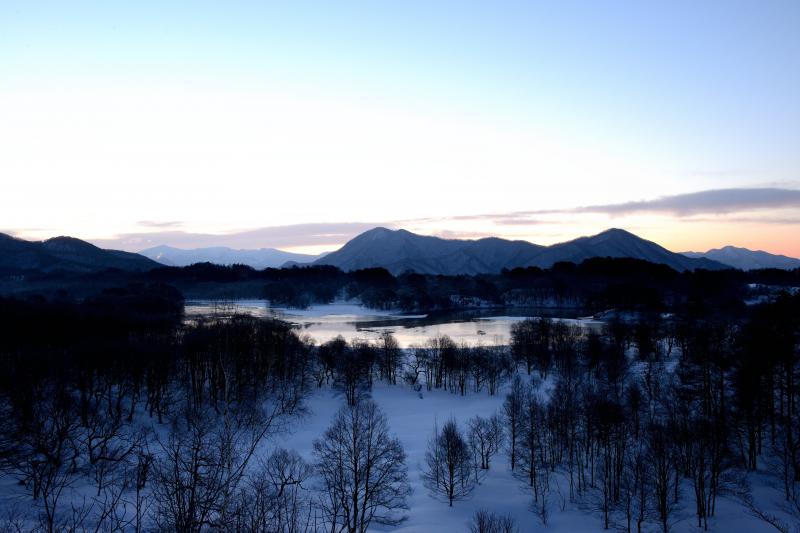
x=395, y=250
x=401, y=250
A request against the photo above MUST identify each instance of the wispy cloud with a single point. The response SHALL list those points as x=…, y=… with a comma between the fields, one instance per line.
x=518, y=221
x=452, y=234
x=767, y=219
x=160, y=224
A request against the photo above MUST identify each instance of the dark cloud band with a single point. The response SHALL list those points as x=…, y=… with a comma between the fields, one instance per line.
x=715, y=201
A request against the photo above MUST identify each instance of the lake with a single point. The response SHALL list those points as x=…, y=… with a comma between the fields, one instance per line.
x=353, y=321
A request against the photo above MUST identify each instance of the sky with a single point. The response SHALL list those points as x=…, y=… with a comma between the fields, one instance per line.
x=300, y=124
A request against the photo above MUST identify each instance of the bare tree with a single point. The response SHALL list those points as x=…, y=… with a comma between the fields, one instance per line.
x=485, y=438
x=448, y=464
x=416, y=365
x=108, y=442
x=513, y=412
x=353, y=370
x=660, y=456
x=202, y=462
x=484, y=521
x=274, y=498
x=362, y=469
x=390, y=357
x=498, y=365
x=45, y=457
x=141, y=498
x=534, y=457
x=634, y=490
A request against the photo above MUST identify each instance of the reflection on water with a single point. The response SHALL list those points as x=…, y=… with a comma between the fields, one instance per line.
x=324, y=322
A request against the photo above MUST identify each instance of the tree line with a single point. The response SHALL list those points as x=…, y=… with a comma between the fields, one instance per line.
x=596, y=284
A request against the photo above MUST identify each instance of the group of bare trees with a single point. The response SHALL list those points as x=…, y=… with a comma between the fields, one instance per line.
x=665, y=414
x=201, y=479
x=441, y=363
x=622, y=429
x=644, y=423
x=168, y=426
x=353, y=367
x=484, y=521
x=455, y=462
x=118, y=416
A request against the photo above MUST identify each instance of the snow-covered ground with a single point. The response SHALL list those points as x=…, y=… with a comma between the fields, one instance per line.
x=412, y=419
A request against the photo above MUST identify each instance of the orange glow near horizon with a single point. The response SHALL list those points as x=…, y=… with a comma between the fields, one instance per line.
x=782, y=239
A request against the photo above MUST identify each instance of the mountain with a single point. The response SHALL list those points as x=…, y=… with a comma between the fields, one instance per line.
x=401, y=250
x=745, y=259
x=619, y=243
x=259, y=259
x=67, y=254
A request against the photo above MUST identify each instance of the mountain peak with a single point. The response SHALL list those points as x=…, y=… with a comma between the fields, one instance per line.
x=620, y=231
x=377, y=233
x=381, y=230
x=68, y=244
x=617, y=233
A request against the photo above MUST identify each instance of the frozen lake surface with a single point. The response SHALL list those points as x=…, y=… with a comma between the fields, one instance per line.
x=352, y=321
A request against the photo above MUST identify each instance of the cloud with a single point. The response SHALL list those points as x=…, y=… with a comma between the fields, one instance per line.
x=316, y=234
x=513, y=218
x=710, y=202
x=450, y=234
x=159, y=224
x=715, y=201
x=780, y=221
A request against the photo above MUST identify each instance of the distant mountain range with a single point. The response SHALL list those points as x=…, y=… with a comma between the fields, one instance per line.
x=258, y=259
x=745, y=259
x=396, y=250
x=401, y=250
x=66, y=254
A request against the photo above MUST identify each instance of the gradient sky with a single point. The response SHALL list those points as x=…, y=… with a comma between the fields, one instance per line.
x=299, y=124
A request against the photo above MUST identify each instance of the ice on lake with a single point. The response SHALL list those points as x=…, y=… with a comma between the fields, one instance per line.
x=353, y=321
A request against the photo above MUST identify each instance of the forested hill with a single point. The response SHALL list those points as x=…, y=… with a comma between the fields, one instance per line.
x=65, y=254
